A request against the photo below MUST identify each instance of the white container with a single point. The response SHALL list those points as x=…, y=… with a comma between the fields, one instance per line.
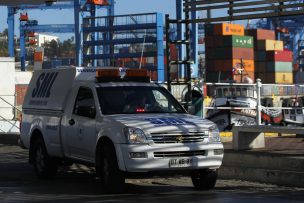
x=23, y=77
x=7, y=87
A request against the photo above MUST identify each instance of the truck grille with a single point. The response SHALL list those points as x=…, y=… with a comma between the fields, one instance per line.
x=190, y=137
x=179, y=154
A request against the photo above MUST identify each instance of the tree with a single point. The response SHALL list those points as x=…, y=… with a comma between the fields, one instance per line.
x=4, y=43
x=54, y=49
x=51, y=49
x=67, y=48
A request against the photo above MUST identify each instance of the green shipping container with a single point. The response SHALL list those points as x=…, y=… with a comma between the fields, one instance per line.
x=229, y=41
x=239, y=41
x=279, y=67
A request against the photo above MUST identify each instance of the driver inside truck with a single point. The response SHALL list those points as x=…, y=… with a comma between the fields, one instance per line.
x=136, y=102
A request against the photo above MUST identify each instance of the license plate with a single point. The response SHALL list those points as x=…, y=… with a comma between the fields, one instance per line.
x=176, y=163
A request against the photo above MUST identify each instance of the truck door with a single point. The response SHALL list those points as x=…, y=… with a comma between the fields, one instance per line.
x=82, y=126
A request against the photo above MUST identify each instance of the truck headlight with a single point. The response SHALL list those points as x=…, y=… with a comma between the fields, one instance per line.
x=214, y=134
x=135, y=135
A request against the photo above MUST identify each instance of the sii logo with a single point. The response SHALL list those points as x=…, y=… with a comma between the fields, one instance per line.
x=44, y=85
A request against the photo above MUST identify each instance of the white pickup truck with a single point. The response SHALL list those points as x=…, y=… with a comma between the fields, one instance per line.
x=119, y=122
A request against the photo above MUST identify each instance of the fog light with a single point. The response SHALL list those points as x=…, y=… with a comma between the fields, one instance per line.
x=218, y=151
x=138, y=155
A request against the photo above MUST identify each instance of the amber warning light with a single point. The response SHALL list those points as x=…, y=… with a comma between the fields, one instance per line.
x=122, y=75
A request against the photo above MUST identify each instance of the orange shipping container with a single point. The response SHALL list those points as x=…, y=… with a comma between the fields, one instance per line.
x=229, y=65
x=261, y=34
x=228, y=29
x=228, y=53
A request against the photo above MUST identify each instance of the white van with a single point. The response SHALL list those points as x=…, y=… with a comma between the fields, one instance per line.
x=119, y=122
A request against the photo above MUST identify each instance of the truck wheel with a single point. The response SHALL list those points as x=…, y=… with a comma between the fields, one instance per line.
x=112, y=178
x=204, y=179
x=45, y=167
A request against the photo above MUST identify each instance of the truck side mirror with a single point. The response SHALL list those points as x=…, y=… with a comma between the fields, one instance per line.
x=191, y=109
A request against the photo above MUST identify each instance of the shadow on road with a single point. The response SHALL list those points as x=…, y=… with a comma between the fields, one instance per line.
x=78, y=184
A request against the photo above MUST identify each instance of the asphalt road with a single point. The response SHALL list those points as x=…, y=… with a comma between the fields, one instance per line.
x=77, y=184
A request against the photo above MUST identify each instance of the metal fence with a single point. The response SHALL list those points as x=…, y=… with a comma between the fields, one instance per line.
x=259, y=91
x=8, y=108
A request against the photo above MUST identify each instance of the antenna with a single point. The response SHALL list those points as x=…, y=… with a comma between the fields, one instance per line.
x=142, y=50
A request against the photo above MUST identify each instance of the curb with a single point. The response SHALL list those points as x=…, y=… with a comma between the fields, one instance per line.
x=9, y=139
x=264, y=168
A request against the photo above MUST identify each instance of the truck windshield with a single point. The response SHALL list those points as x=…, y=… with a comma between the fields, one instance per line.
x=137, y=99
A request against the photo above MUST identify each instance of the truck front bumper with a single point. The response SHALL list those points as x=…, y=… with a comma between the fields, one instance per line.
x=166, y=157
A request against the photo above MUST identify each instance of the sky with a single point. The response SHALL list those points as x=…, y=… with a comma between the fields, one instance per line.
x=66, y=16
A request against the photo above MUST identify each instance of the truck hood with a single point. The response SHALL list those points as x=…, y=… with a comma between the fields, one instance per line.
x=154, y=123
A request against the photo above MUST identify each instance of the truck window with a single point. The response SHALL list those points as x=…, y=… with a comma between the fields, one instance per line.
x=85, y=104
x=137, y=99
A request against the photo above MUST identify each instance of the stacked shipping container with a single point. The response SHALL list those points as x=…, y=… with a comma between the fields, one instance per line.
x=273, y=64
x=229, y=54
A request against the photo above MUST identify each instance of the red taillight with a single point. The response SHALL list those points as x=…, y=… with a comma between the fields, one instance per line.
x=140, y=110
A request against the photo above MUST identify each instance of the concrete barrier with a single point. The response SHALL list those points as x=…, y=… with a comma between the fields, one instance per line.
x=9, y=139
x=253, y=137
x=276, y=169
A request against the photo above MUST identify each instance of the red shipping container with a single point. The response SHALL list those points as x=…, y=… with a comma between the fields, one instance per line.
x=20, y=92
x=261, y=34
x=295, y=67
x=209, y=41
x=153, y=75
x=282, y=56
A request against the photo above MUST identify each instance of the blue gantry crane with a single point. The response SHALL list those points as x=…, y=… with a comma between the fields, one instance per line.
x=133, y=37
x=88, y=44
x=81, y=8
x=31, y=26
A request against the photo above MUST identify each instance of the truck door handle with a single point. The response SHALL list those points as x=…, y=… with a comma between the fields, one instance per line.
x=72, y=122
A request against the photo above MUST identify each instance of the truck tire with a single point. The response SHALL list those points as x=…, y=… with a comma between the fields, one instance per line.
x=204, y=179
x=45, y=167
x=112, y=178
